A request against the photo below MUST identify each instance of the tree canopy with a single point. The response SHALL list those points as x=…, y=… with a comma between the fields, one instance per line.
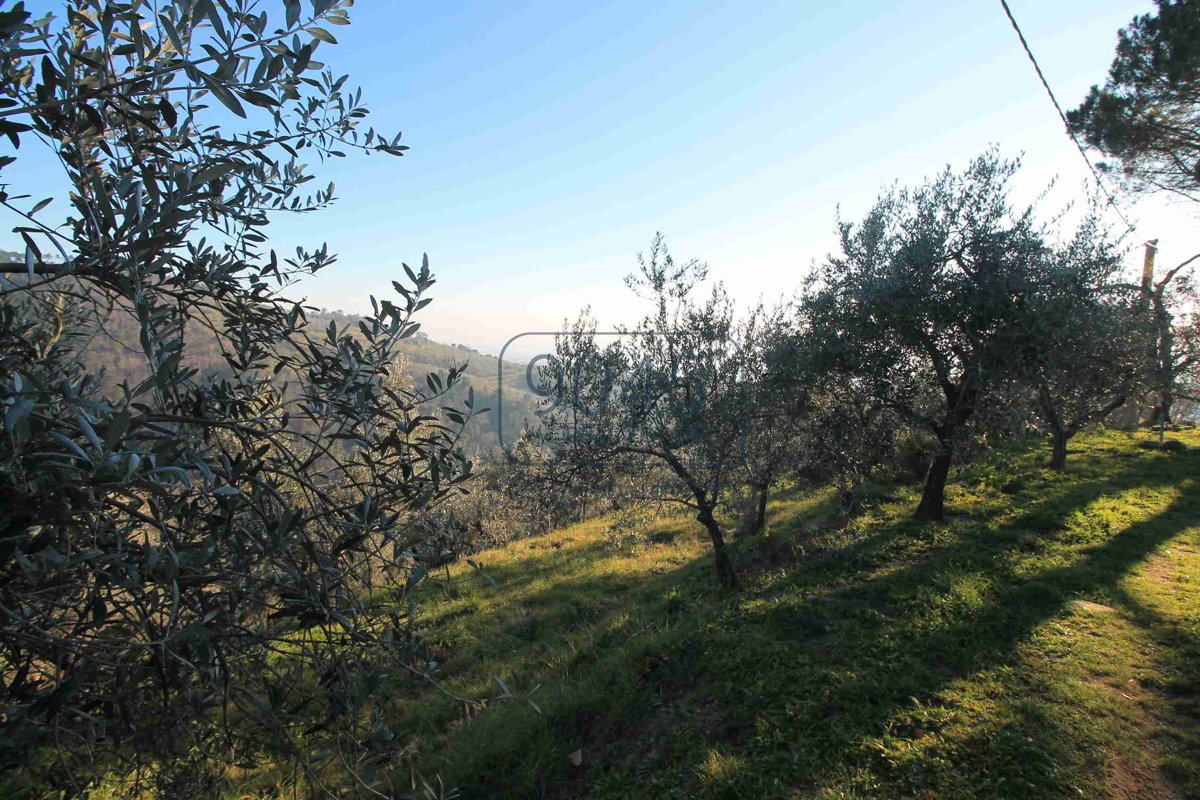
x=667, y=394
x=931, y=305
x=167, y=537
x=1147, y=114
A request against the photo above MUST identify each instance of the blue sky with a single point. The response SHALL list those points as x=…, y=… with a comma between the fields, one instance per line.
x=551, y=140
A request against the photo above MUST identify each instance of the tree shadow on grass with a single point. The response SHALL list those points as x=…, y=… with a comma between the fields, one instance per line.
x=599, y=669
x=797, y=685
x=856, y=665
x=883, y=663
x=1177, y=656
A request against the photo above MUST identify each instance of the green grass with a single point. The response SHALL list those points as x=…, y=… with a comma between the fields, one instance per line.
x=1043, y=643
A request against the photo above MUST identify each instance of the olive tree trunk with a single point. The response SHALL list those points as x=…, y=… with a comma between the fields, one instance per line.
x=933, y=497
x=760, y=513
x=960, y=405
x=1058, y=452
x=726, y=575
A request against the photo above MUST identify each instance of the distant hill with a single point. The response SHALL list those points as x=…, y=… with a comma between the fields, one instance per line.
x=112, y=347
x=424, y=355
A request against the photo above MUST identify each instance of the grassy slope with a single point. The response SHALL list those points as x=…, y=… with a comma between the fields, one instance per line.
x=1043, y=643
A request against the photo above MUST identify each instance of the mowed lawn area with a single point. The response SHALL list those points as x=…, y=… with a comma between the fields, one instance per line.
x=1043, y=643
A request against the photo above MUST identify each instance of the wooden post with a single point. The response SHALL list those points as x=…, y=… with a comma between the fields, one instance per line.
x=1147, y=291
x=1145, y=305
x=1148, y=269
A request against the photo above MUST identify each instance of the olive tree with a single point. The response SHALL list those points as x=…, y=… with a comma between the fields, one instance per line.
x=1093, y=333
x=927, y=307
x=1094, y=368
x=667, y=393
x=198, y=570
x=776, y=411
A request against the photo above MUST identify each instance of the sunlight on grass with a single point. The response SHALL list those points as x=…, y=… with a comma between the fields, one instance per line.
x=868, y=657
x=719, y=768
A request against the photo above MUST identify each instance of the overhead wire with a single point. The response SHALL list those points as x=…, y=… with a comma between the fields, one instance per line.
x=1112, y=201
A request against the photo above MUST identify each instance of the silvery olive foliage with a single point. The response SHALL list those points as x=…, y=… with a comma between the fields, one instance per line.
x=1095, y=330
x=938, y=301
x=199, y=570
x=666, y=396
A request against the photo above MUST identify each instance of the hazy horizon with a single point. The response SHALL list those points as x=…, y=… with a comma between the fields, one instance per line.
x=550, y=142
